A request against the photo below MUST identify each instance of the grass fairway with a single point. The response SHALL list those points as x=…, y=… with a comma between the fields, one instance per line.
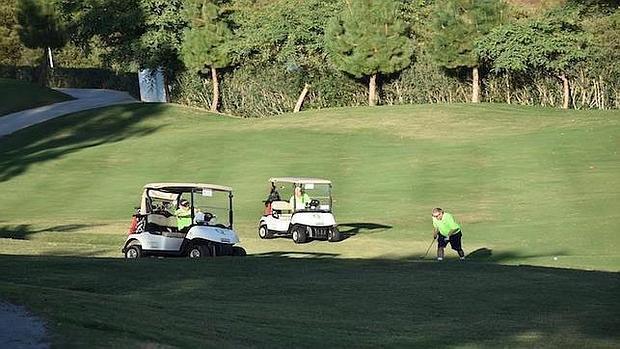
x=275, y=301
x=16, y=95
x=528, y=185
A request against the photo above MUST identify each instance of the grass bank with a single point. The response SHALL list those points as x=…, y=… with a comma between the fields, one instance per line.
x=16, y=95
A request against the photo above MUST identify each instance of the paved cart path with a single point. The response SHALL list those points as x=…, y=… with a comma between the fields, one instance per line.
x=84, y=99
x=21, y=330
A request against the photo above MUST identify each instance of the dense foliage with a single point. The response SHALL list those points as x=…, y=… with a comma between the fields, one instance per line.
x=553, y=45
x=280, y=54
x=368, y=39
x=206, y=42
x=458, y=25
x=11, y=48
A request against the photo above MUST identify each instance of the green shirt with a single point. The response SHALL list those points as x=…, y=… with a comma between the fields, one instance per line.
x=184, y=218
x=446, y=224
x=299, y=204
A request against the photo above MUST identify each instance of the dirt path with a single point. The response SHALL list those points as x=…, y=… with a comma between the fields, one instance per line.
x=19, y=329
x=84, y=99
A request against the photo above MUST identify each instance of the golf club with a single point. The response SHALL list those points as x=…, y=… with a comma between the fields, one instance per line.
x=429, y=248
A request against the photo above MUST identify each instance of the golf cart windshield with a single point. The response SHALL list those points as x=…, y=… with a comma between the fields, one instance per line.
x=319, y=192
x=211, y=207
x=314, y=196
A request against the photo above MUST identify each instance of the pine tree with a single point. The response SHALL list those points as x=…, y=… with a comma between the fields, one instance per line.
x=458, y=25
x=206, y=42
x=368, y=39
x=40, y=28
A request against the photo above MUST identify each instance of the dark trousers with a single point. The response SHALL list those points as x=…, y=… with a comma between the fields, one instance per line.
x=454, y=240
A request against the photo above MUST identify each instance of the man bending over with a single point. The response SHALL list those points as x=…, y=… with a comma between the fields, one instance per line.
x=446, y=230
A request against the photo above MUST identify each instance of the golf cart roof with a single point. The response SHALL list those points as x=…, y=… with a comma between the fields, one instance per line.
x=300, y=180
x=183, y=187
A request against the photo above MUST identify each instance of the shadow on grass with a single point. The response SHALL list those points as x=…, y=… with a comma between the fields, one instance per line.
x=297, y=254
x=487, y=255
x=283, y=299
x=22, y=231
x=350, y=229
x=68, y=134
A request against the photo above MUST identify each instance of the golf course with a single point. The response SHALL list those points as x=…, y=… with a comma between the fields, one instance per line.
x=536, y=191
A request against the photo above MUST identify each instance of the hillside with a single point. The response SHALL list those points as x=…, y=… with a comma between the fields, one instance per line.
x=525, y=182
x=529, y=185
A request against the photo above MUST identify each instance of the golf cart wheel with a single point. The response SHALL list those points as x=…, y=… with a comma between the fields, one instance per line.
x=133, y=252
x=199, y=251
x=264, y=233
x=333, y=235
x=238, y=251
x=299, y=234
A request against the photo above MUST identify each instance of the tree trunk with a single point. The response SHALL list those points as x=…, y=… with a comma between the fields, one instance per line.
x=43, y=70
x=601, y=92
x=475, y=91
x=508, y=95
x=216, y=90
x=301, y=98
x=566, y=91
x=372, y=90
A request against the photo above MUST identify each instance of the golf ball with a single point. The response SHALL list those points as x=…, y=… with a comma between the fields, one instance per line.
x=555, y=258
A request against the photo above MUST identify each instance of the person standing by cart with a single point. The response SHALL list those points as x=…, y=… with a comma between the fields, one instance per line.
x=446, y=230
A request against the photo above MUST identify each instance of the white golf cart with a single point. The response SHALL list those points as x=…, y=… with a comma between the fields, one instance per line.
x=306, y=215
x=155, y=229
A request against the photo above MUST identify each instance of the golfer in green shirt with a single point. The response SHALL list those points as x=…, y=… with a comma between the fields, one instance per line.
x=446, y=230
x=184, y=215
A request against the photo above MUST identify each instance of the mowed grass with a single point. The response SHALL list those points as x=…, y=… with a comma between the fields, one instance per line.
x=279, y=302
x=16, y=95
x=528, y=185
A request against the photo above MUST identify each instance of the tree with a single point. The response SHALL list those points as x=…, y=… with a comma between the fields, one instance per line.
x=603, y=55
x=40, y=28
x=458, y=24
x=159, y=45
x=133, y=33
x=285, y=33
x=206, y=42
x=553, y=44
x=368, y=39
x=10, y=45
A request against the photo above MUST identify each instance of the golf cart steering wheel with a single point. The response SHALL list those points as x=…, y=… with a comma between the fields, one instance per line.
x=314, y=203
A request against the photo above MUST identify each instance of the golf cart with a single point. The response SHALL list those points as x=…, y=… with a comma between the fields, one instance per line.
x=155, y=228
x=307, y=215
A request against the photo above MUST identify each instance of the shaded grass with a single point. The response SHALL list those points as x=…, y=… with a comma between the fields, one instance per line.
x=18, y=95
x=275, y=301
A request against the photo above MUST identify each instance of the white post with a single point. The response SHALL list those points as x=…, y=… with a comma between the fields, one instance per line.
x=49, y=55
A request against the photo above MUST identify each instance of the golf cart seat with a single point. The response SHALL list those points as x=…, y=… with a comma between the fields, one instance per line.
x=282, y=209
x=282, y=206
x=162, y=221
